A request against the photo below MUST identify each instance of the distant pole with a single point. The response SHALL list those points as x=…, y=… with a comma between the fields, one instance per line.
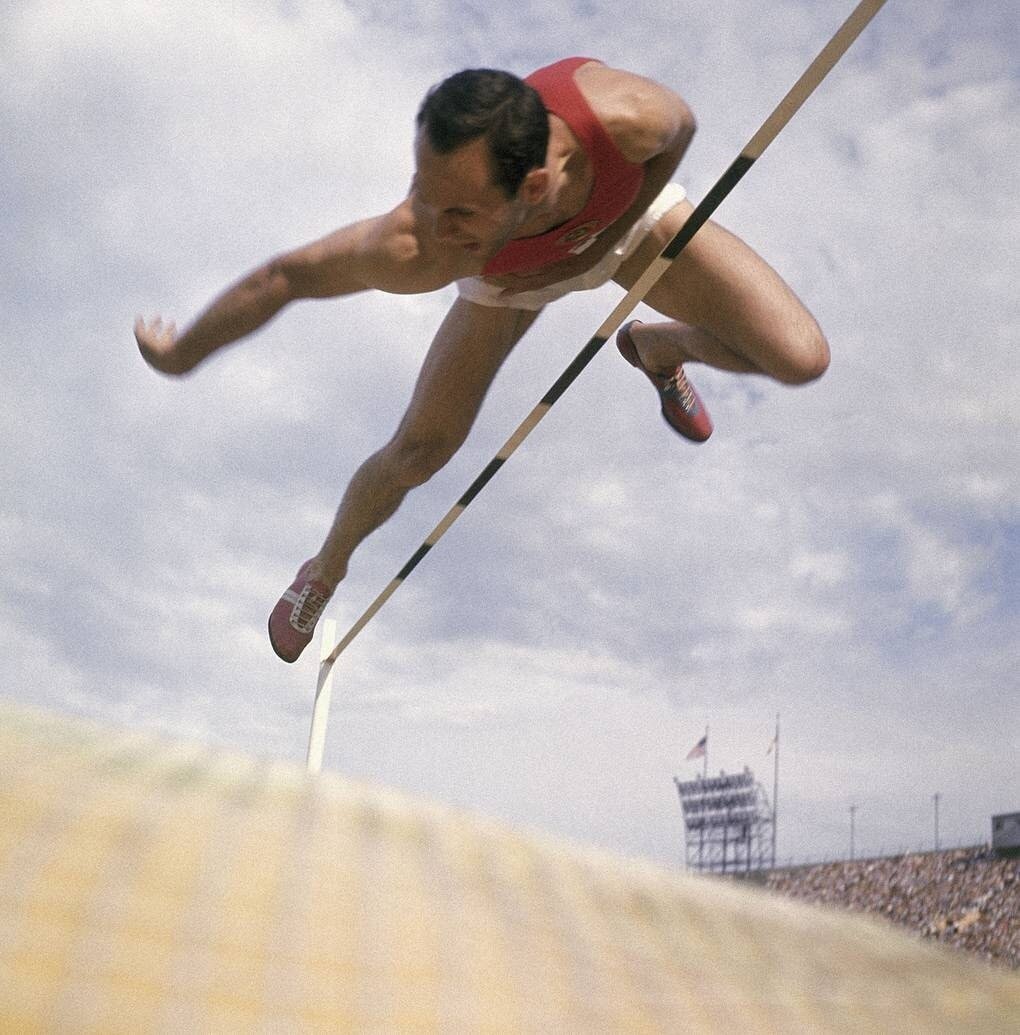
x=936, y=797
x=704, y=776
x=853, y=809
x=775, y=792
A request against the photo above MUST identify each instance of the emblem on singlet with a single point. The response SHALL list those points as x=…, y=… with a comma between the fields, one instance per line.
x=580, y=237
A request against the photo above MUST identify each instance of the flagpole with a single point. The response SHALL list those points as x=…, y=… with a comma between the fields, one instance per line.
x=775, y=793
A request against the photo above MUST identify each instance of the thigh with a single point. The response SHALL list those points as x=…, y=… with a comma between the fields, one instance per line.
x=723, y=286
x=469, y=348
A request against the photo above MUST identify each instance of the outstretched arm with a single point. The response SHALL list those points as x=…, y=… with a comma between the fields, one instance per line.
x=376, y=253
x=241, y=309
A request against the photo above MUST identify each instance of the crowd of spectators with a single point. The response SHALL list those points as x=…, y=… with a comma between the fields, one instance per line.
x=967, y=898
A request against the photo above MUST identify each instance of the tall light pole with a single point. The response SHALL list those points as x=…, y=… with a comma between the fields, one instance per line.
x=775, y=791
x=935, y=798
x=853, y=809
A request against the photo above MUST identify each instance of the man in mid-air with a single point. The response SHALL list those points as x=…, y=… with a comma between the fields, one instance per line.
x=524, y=191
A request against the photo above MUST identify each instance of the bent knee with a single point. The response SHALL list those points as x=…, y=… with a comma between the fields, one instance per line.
x=805, y=358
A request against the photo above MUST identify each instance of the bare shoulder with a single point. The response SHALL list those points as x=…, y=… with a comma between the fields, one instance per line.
x=407, y=259
x=643, y=117
x=386, y=252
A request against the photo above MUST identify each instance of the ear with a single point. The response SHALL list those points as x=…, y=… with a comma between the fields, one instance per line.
x=535, y=186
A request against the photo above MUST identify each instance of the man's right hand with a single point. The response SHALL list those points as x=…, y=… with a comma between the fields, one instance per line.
x=157, y=343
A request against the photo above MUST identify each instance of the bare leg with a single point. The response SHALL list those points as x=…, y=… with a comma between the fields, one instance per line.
x=728, y=309
x=465, y=356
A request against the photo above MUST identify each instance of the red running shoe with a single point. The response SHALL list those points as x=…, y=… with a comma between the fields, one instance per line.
x=682, y=408
x=292, y=621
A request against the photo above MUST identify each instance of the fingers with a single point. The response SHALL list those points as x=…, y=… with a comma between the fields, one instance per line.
x=144, y=331
x=157, y=342
x=155, y=331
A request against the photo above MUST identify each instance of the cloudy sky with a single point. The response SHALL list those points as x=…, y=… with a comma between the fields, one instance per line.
x=845, y=554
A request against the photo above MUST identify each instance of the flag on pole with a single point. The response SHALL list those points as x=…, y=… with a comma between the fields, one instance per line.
x=772, y=744
x=698, y=751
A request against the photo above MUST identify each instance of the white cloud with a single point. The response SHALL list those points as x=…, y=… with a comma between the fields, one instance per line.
x=824, y=570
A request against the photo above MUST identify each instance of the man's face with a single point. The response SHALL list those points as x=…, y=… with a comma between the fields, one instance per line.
x=454, y=197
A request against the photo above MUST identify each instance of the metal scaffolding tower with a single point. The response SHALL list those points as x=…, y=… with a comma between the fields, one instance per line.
x=728, y=823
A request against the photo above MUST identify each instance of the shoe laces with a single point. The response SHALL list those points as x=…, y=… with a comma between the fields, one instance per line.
x=308, y=608
x=680, y=388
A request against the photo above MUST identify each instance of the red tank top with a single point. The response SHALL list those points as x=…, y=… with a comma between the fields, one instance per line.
x=615, y=185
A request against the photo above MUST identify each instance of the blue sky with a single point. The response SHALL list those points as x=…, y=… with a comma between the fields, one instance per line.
x=845, y=554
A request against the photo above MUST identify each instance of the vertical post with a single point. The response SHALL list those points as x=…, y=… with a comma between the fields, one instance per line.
x=936, y=797
x=775, y=791
x=726, y=838
x=320, y=710
x=853, y=809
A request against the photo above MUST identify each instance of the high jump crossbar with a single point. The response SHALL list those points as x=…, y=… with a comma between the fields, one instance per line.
x=752, y=151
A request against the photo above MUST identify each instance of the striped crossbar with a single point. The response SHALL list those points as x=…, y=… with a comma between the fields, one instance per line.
x=770, y=129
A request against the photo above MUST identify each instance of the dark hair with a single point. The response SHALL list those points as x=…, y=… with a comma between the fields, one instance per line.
x=497, y=105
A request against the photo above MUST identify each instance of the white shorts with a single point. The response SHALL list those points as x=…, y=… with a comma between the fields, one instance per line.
x=478, y=289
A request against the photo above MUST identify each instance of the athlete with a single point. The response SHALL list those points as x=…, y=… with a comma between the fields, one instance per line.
x=524, y=191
